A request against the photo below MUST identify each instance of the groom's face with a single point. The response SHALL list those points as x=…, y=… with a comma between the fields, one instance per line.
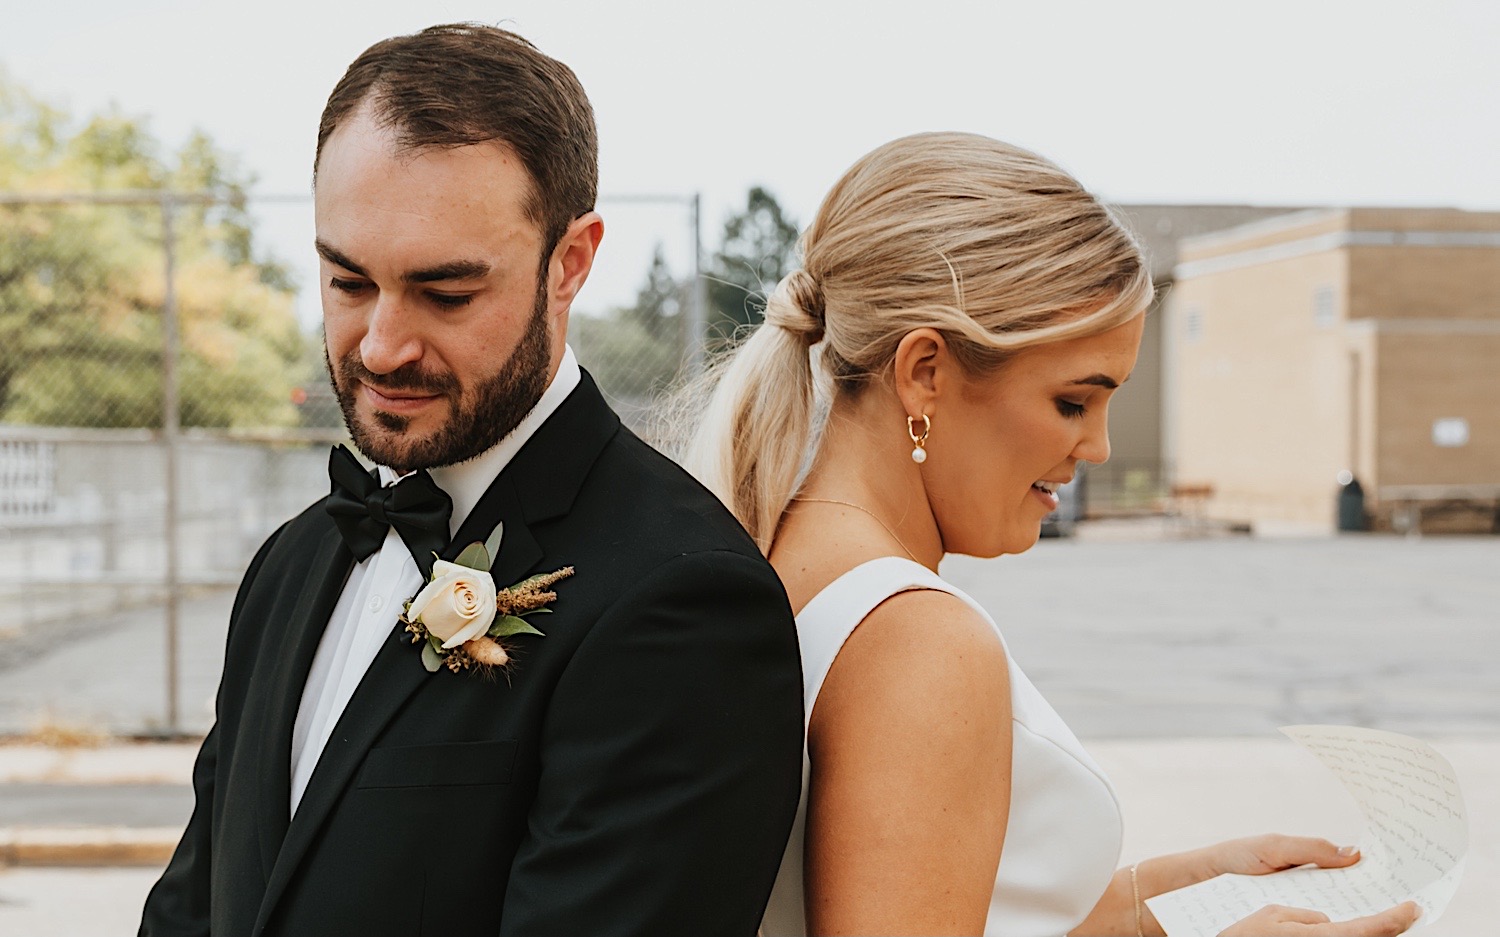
x=440, y=332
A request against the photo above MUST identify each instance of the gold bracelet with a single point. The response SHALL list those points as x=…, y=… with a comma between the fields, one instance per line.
x=1135, y=891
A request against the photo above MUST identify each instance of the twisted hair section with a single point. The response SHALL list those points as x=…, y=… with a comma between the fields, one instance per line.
x=759, y=399
x=797, y=306
x=993, y=246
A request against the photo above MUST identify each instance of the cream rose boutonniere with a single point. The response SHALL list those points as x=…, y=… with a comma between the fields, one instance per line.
x=459, y=617
x=458, y=605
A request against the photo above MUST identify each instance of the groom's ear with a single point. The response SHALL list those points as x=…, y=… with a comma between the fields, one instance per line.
x=571, y=261
x=923, y=370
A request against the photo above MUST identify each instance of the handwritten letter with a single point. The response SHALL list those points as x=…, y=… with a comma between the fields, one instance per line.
x=1413, y=847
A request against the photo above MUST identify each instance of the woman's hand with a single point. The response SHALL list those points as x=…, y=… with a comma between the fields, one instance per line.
x=1260, y=855
x=1116, y=910
x=1276, y=921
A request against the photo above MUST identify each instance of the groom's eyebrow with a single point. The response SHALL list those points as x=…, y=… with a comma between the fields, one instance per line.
x=328, y=253
x=452, y=270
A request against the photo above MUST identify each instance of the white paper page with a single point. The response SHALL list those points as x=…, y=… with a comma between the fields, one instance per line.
x=1413, y=847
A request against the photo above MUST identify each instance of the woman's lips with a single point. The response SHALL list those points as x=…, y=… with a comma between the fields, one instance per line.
x=1048, y=499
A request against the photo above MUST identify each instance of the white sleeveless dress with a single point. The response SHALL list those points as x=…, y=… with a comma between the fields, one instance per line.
x=1062, y=842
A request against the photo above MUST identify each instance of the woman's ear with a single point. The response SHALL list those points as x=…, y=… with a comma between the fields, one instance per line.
x=923, y=371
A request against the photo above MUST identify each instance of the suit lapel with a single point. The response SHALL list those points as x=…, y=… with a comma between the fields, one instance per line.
x=519, y=550
x=549, y=471
x=320, y=593
x=393, y=676
x=541, y=482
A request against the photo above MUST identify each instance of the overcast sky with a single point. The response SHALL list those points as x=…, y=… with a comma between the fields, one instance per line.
x=1271, y=102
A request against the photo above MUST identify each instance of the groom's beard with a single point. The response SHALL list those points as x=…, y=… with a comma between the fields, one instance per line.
x=478, y=417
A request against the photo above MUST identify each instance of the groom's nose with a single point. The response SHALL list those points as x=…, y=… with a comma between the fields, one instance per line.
x=392, y=336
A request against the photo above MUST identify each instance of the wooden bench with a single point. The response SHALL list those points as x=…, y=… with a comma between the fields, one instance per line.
x=1189, y=503
x=1190, y=499
x=1409, y=503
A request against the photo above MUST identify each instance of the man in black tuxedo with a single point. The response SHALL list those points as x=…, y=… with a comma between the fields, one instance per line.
x=633, y=771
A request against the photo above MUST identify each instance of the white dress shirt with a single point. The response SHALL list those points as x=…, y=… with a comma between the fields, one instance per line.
x=377, y=587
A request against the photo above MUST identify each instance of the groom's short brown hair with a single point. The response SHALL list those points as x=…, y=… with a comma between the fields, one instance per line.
x=464, y=83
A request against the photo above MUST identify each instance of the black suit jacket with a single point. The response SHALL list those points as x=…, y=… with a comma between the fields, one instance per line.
x=636, y=772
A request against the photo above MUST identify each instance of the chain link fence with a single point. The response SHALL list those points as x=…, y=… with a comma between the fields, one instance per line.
x=164, y=406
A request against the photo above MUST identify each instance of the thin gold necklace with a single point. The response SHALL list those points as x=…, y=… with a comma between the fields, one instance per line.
x=851, y=504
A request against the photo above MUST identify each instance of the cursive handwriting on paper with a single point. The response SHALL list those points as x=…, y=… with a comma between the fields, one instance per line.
x=1413, y=848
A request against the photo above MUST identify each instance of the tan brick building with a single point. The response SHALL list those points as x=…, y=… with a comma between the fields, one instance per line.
x=1365, y=340
x=1137, y=475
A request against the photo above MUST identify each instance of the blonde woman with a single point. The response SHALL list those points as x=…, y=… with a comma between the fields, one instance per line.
x=966, y=310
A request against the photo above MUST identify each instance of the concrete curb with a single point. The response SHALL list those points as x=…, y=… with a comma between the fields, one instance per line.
x=114, y=763
x=93, y=846
x=116, y=846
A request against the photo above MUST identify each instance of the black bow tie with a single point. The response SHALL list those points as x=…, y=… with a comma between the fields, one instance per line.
x=364, y=511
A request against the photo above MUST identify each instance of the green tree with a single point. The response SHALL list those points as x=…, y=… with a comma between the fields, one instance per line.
x=82, y=286
x=758, y=249
x=635, y=351
x=661, y=302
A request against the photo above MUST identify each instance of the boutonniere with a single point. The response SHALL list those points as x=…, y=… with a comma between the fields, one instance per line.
x=460, y=618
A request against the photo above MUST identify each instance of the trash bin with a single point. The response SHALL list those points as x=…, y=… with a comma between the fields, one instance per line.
x=1351, y=504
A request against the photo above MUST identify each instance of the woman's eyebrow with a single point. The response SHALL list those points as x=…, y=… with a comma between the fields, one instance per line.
x=1100, y=380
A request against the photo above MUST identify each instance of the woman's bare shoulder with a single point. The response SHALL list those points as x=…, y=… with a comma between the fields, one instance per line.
x=915, y=713
x=920, y=658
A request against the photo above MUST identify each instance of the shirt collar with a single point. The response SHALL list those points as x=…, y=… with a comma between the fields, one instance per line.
x=467, y=481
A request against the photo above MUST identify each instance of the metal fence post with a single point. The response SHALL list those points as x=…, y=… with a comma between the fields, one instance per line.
x=170, y=431
x=697, y=326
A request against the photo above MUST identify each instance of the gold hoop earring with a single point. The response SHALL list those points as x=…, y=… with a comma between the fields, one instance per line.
x=919, y=442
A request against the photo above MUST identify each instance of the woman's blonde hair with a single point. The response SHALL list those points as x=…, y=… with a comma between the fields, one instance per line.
x=995, y=247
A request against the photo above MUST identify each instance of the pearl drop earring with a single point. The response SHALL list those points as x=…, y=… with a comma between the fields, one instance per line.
x=918, y=441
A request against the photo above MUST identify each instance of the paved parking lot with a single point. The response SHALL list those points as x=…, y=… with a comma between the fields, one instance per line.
x=1142, y=638
x=1236, y=636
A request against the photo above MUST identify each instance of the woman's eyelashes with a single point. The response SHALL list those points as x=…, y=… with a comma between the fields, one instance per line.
x=1071, y=409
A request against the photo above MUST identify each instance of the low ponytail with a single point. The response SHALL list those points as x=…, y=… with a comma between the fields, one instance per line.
x=754, y=432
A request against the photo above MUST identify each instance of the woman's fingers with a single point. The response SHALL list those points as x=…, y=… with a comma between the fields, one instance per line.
x=1272, y=852
x=1290, y=851
x=1387, y=923
x=1297, y=915
x=1278, y=921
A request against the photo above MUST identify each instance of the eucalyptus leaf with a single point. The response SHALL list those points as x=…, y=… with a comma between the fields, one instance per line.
x=430, y=659
x=536, y=611
x=475, y=556
x=434, y=642
x=492, y=545
x=508, y=625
